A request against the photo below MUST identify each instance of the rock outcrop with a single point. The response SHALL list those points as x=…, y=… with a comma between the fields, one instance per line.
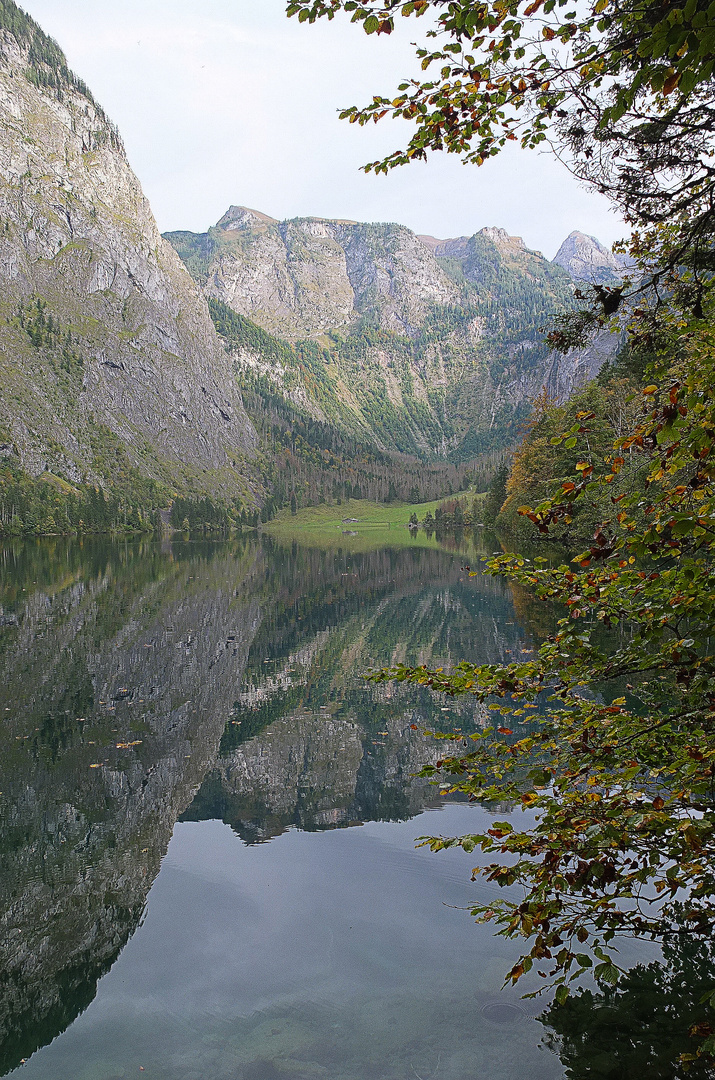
x=304, y=277
x=104, y=337
x=571, y=372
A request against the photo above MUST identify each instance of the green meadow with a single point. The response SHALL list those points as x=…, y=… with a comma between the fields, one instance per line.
x=357, y=525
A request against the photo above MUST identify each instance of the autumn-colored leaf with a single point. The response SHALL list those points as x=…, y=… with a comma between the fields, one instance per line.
x=671, y=82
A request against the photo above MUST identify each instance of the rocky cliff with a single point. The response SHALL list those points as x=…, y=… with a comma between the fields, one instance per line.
x=105, y=341
x=425, y=346
x=304, y=277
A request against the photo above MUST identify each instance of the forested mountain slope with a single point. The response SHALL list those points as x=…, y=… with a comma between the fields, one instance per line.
x=427, y=347
x=110, y=367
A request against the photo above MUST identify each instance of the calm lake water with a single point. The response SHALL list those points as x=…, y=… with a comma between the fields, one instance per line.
x=208, y=823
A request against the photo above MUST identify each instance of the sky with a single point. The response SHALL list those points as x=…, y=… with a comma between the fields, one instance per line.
x=223, y=102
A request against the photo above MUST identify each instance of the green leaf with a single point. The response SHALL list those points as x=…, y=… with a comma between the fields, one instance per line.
x=606, y=973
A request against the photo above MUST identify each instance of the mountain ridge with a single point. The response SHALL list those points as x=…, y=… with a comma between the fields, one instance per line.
x=442, y=337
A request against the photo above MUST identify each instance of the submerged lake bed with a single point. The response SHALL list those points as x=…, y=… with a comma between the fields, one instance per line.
x=209, y=817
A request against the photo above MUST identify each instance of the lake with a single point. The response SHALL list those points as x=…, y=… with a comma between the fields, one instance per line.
x=209, y=819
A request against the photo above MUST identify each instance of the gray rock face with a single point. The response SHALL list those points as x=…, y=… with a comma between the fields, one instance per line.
x=433, y=347
x=303, y=277
x=586, y=259
x=569, y=373
x=78, y=234
x=392, y=274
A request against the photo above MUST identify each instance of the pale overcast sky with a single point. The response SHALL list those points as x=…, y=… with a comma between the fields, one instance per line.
x=228, y=101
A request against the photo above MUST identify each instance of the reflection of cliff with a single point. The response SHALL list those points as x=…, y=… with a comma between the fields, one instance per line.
x=116, y=689
x=315, y=771
x=133, y=676
x=310, y=743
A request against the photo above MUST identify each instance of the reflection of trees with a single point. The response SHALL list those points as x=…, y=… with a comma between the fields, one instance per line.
x=309, y=590
x=642, y=1026
x=540, y=618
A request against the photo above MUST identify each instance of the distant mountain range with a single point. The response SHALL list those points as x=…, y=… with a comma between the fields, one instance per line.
x=426, y=346
x=380, y=345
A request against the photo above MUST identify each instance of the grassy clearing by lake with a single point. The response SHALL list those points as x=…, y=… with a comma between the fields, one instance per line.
x=357, y=524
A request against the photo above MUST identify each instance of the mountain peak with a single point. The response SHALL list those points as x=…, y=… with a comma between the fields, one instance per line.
x=241, y=217
x=587, y=259
x=456, y=246
x=501, y=237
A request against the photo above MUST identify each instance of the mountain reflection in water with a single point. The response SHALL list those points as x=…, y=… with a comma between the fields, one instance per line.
x=144, y=684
